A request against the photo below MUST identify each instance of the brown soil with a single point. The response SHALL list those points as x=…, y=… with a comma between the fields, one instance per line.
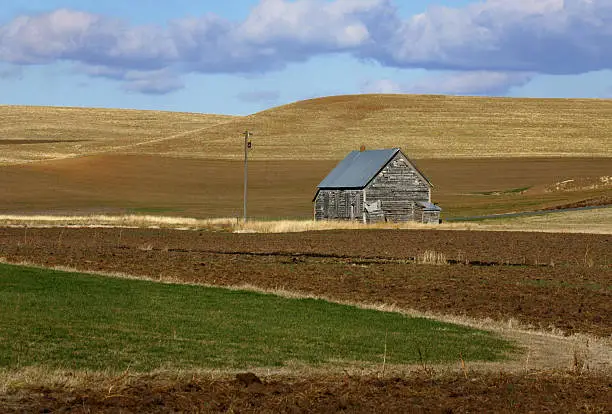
x=361, y=267
x=169, y=186
x=277, y=189
x=477, y=186
x=544, y=280
x=590, y=202
x=422, y=392
x=604, y=181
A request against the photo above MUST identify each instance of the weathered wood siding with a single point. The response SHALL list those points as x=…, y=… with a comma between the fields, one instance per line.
x=339, y=205
x=398, y=186
x=431, y=217
x=395, y=191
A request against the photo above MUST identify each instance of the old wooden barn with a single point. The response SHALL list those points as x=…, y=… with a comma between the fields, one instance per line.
x=373, y=186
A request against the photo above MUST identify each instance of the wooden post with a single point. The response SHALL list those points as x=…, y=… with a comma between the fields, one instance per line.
x=247, y=135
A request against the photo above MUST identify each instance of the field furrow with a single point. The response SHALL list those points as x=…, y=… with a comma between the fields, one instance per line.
x=557, y=281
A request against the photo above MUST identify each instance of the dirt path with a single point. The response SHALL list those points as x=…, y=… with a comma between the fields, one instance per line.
x=124, y=148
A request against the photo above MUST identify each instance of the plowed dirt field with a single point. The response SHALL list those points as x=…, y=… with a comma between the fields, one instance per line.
x=558, y=281
x=499, y=393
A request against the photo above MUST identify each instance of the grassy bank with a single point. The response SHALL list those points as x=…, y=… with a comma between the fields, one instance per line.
x=75, y=321
x=597, y=221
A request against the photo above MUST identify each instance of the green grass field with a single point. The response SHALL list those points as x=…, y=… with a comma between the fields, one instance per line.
x=75, y=321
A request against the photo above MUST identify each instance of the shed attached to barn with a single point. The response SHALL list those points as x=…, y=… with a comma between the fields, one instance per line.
x=373, y=186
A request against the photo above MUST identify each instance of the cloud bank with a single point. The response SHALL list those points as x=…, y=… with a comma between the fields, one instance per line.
x=483, y=83
x=499, y=38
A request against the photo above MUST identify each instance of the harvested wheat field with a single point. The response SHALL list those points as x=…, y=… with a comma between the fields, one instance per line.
x=323, y=128
x=579, y=221
x=277, y=189
x=423, y=126
x=483, y=155
x=31, y=133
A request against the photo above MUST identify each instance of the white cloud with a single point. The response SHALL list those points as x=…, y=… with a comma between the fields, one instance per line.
x=46, y=37
x=152, y=83
x=545, y=36
x=305, y=23
x=491, y=36
x=471, y=83
x=84, y=37
x=454, y=83
x=387, y=86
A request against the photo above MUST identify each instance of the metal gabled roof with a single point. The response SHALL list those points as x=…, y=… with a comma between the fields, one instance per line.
x=358, y=168
x=427, y=206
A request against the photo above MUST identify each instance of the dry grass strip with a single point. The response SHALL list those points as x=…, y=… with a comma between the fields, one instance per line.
x=593, y=222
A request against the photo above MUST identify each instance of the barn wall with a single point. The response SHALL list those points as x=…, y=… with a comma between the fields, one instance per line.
x=397, y=187
x=336, y=205
x=431, y=217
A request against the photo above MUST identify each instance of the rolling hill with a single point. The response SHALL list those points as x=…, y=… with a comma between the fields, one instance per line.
x=323, y=128
x=423, y=126
x=30, y=133
x=484, y=155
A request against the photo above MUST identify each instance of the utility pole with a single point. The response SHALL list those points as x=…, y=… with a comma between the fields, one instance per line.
x=247, y=145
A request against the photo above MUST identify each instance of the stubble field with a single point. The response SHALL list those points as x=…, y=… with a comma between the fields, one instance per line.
x=30, y=133
x=280, y=189
x=327, y=128
x=483, y=155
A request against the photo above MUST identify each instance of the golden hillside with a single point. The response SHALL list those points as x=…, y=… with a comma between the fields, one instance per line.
x=29, y=133
x=423, y=126
x=323, y=128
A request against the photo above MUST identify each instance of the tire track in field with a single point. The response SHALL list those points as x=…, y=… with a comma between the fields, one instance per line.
x=295, y=257
x=113, y=149
x=162, y=139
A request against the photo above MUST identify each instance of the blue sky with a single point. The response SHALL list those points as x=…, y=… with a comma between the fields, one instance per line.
x=242, y=56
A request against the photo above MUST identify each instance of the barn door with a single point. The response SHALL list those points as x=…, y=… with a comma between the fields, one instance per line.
x=353, y=205
x=325, y=196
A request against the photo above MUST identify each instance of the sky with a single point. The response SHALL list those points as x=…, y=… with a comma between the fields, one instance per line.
x=243, y=56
